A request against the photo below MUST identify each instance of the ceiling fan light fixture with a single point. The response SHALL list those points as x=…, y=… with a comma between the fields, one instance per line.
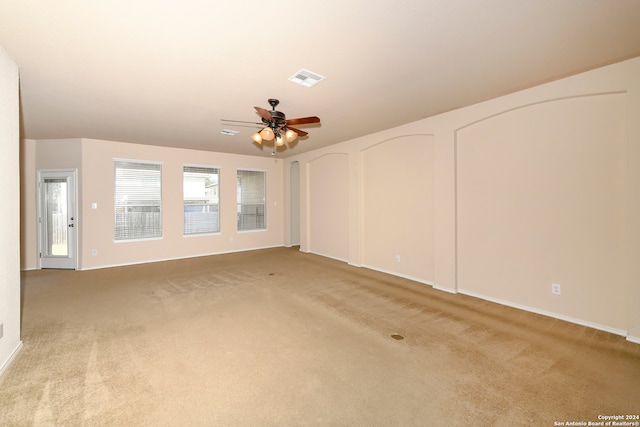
x=290, y=135
x=257, y=138
x=274, y=130
x=267, y=134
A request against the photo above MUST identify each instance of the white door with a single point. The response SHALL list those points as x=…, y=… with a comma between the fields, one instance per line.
x=57, y=219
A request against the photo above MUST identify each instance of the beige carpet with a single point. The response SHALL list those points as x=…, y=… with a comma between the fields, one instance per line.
x=281, y=338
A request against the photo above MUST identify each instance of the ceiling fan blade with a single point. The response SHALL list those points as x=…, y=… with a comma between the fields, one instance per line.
x=265, y=114
x=303, y=120
x=298, y=131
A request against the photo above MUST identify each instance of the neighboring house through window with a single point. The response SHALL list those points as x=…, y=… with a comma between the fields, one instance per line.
x=201, y=200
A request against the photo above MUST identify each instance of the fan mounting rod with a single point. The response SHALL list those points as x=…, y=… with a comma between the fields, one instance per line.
x=277, y=117
x=274, y=103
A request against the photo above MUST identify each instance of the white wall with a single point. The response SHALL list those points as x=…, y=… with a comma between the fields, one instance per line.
x=9, y=213
x=531, y=188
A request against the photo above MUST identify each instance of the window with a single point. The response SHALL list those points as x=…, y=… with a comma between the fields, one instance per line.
x=251, y=200
x=201, y=201
x=138, y=200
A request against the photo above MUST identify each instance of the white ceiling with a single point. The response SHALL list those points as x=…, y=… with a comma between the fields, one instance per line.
x=166, y=72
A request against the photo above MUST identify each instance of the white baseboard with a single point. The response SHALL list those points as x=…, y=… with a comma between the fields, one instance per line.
x=404, y=276
x=635, y=340
x=177, y=258
x=381, y=270
x=449, y=290
x=10, y=359
x=569, y=319
x=326, y=256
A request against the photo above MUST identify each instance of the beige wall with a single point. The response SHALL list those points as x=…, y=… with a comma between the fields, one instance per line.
x=328, y=197
x=633, y=203
x=94, y=160
x=552, y=172
x=28, y=205
x=59, y=154
x=541, y=200
x=397, y=207
x=353, y=209
x=292, y=214
x=533, y=188
x=10, y=341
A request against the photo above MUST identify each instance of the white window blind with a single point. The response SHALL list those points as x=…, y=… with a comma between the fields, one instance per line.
x=201, y=200
x=251, y=200
x=138, y=200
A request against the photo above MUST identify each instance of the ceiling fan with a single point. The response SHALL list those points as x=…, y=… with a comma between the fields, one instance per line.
x=276, y=126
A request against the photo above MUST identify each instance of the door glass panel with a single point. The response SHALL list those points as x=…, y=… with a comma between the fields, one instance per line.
x=55, y=193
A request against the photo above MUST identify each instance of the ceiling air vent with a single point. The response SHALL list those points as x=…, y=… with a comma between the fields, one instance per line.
x=306, y=78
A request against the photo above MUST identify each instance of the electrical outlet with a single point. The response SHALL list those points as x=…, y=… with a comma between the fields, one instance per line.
x=397, y=258
x=94, y=252
x=555, y=289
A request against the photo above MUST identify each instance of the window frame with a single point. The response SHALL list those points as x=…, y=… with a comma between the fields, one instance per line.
x=217, y=227
x=159, y=228
x=239, y=204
